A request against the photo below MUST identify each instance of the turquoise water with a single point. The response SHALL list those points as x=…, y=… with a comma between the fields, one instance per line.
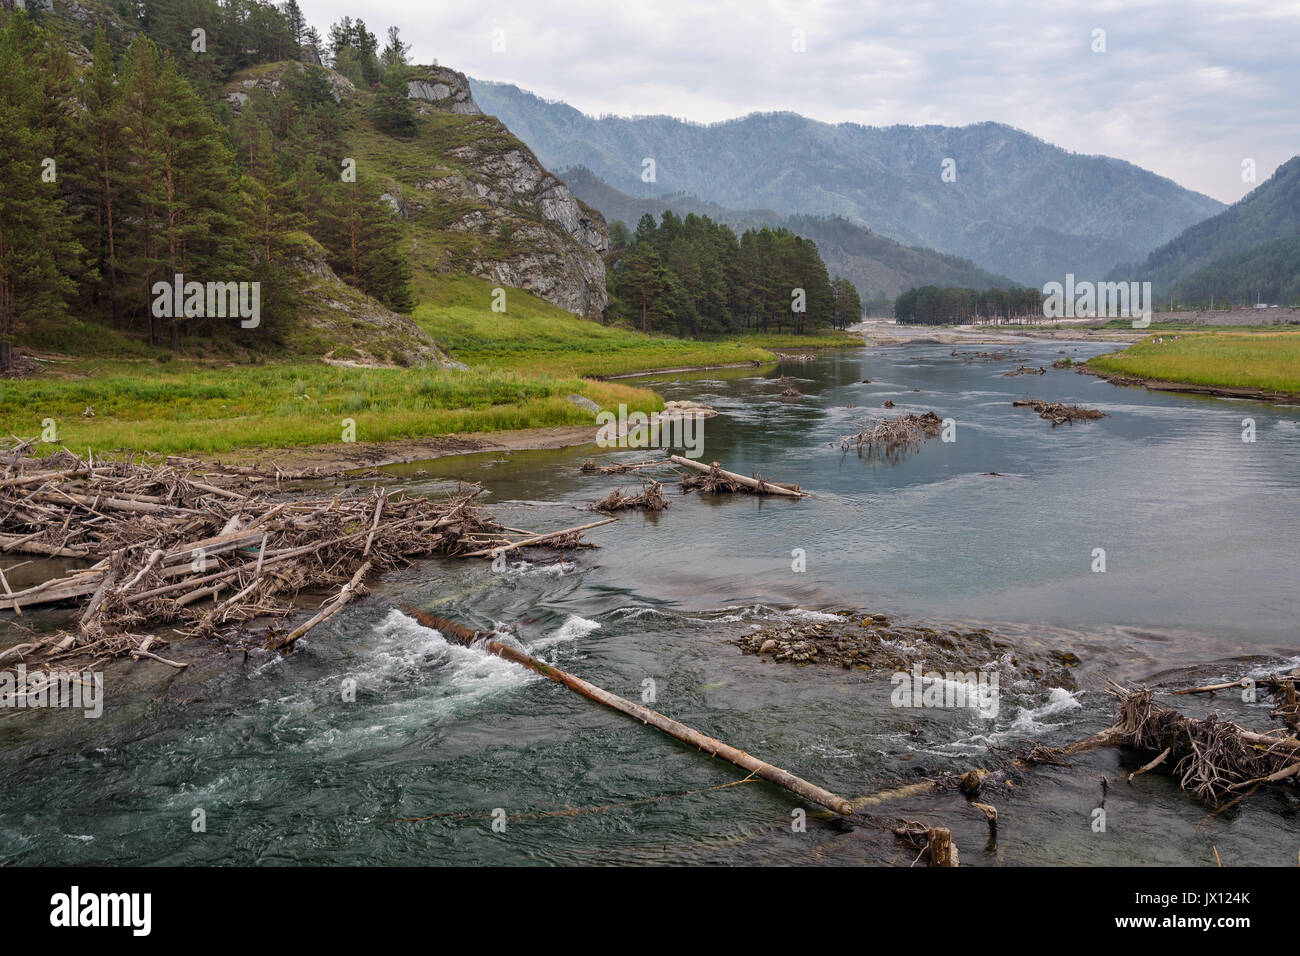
x=1199, y=531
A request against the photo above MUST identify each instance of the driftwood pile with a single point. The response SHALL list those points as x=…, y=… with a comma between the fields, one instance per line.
x=1056, y=413
x=892, y=438
x=207, y=553
x=1211, y=757
x=650, y=498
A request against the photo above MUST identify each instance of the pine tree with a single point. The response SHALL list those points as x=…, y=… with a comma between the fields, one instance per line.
x=37, y=245
x=104, y=123
x=295, y=21
x=643, y=279
x=395, y=51
x=363, y=242
x=392, y=111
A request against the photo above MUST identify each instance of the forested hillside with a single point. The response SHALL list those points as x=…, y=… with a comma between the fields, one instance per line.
x=1268, y=272
x=1236, y=255
x=148, y=140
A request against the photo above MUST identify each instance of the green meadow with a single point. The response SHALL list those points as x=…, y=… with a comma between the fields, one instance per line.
x=1234, y=359
x=117, y=395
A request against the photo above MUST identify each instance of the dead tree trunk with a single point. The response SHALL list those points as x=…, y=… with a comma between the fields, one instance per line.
x=669, y=726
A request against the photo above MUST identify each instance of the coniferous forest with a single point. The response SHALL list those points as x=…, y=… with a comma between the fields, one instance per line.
x=133, y=168
x=129, y=170
x=692, y=276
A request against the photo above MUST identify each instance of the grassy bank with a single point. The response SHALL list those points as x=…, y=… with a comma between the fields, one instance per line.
x=1268, y=361
x=203, y=409
x=523, y=364
x=535, y=337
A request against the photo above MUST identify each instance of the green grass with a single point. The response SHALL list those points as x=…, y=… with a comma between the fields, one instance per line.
x=533, y=336
x=523, y=365
x=208, y=410
x=1234, y=359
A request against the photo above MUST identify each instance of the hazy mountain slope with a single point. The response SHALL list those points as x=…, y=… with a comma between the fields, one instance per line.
x=1266, y=272
x=1019, y=206
x=1268, y=213
x=871, y=262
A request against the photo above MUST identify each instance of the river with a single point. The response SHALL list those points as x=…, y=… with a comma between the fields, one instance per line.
x=998, y=528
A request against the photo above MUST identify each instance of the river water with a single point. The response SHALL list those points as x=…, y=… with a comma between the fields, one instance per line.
x=1199, y=531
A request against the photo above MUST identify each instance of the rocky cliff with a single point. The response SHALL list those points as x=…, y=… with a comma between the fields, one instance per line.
x=473, y=198
x=536, y=235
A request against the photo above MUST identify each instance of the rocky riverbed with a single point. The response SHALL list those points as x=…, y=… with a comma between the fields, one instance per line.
x=866, y=641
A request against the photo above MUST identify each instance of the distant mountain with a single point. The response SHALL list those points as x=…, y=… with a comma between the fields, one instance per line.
x=1234, y=252
x=1019, y=206
x=876, y=265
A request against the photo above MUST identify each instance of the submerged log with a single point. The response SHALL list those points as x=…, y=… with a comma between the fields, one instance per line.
x=535, y=539
x=669, y=726
x=1057, y=414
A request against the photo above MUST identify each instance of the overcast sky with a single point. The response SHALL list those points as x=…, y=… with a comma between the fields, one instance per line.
x=1185, y=88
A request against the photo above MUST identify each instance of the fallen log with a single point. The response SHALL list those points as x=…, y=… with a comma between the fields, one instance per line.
x=673, y=728
x=758, y=484
x=591, y=468
x=25, y=545
x=535, y=539
x=350, y=590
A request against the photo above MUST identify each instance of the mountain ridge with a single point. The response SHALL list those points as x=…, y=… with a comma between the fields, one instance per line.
x=1018, y=206
x=878, y=266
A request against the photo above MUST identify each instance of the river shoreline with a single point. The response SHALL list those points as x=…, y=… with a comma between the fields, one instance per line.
x=1220, y=391
x=342, y=457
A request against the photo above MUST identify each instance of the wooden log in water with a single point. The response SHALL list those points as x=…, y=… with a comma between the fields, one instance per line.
x=943, y=852
x=765, y=486
x=349, y=591
x=535, y=539
x=673, y=728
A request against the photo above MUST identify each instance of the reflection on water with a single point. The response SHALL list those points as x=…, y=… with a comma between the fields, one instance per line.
x=1198, y=530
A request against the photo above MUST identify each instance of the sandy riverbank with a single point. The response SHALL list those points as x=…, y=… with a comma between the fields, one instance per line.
x=340, y=457
x=880, y=332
